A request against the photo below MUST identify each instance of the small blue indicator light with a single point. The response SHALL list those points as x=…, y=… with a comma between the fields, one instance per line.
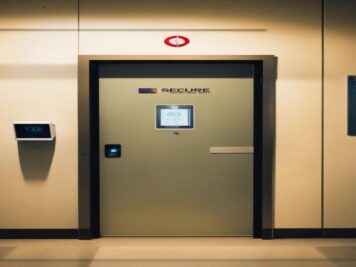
x=113, y=151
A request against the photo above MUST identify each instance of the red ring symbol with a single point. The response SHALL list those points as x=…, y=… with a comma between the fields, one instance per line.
x=176, y=41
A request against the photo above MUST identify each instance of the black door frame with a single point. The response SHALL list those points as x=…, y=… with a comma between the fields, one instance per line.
x=88, y=135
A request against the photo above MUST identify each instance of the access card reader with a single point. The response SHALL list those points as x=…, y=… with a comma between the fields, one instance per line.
x=34, y=131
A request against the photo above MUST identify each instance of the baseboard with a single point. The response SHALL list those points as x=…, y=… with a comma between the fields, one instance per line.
x=267, y=233
x=297, y=233
x=39, y=233
x=339, y=232
x=85, y=234
x=314, y=233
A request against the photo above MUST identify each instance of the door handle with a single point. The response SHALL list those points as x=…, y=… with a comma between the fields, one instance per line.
x=231, y=150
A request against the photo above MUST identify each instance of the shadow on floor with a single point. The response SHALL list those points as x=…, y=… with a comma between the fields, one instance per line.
x=339, y=253
x=4, y=251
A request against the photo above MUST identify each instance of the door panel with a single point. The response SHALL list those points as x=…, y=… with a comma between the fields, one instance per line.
x=167, y=183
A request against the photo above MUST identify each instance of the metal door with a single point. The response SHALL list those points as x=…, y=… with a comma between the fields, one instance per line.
x=177, y=182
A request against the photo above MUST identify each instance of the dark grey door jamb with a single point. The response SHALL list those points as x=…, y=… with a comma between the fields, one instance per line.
x=88, y=170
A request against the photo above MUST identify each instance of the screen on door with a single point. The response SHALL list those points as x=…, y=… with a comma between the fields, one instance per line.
x=174, y=116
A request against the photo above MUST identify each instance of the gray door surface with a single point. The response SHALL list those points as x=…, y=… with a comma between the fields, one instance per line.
x=177, y=182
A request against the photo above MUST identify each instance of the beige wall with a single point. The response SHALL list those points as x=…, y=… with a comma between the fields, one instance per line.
x=38, y=57
x=340, y=149
x=267, y=28
x=38, y=81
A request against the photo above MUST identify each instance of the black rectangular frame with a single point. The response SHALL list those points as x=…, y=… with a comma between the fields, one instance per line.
x=351, y=105
x=265, y=75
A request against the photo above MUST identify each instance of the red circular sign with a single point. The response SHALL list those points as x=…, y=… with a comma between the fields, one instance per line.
x=176, y=41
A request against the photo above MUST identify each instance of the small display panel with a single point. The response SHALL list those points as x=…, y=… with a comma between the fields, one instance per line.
x=174, y=116
x=112, y=151
x=351, y=106
x=33, y=131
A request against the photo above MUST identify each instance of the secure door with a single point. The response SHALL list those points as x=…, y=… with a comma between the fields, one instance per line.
x=186, y=163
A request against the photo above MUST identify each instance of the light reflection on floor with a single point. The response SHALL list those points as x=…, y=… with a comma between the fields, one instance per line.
x=177, y=252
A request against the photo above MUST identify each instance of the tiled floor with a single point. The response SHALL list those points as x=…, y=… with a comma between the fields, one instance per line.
x=176, y=252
